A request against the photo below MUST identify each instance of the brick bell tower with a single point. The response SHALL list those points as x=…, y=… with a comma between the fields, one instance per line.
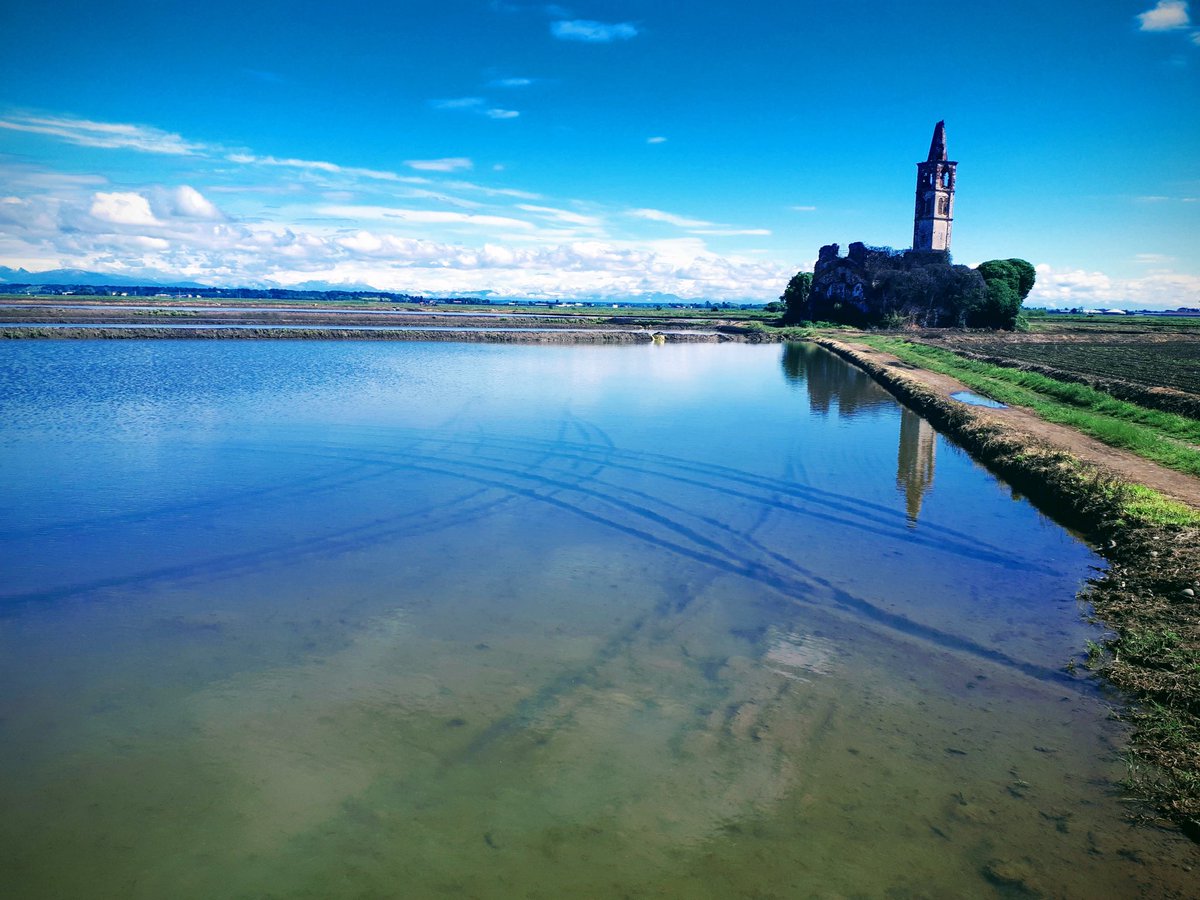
x=935, y=196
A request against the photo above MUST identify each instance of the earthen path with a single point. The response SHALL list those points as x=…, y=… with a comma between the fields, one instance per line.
x=1126, y=465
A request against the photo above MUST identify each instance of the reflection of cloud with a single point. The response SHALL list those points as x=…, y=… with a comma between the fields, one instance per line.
x=792, y=653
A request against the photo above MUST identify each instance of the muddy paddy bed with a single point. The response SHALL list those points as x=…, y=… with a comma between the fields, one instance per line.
x=345, y=619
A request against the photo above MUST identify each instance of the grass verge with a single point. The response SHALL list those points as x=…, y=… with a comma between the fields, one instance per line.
x=1162, y=437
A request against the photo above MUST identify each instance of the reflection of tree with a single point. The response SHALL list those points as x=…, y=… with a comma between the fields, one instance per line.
x=828, y=378
x=914, y=471
x=793, y=362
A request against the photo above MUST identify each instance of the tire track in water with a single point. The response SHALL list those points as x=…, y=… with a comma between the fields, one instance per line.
x=707, y=552
x=958, y=543
x=684, y=540
x=345, y=540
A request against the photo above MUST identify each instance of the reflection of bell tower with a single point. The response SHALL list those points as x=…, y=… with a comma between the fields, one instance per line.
x=914, y=471
x=935, y=196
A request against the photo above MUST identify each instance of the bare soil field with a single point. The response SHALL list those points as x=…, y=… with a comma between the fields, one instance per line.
x=1155, y=365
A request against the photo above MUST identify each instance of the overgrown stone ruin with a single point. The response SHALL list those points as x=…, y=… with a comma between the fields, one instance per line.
x=921, y=286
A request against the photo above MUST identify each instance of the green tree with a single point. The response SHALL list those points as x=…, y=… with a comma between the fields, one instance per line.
x=795, y=296
x=932, y=296
x=1009, y=282
x=1027, y=274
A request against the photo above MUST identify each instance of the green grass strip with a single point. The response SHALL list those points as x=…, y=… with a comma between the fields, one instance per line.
x=1151, y=434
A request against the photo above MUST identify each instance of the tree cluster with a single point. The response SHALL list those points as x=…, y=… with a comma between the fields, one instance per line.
x=905, y=288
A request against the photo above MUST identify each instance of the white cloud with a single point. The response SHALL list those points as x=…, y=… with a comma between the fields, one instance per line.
x=190, y=203
x=732, y=232
x=656, y=140
x=446, y=164
x=122, y=208
x=314, y=165
x=803, y=208
x=1156, y=198
x=592, y=32
x=502, y=114
x=492, y=192
x=457, y=103
x=1166, y=15
x=109, y=135
x=422, y=216
x=1078, y=287
x=511, y=82
x=562, y=215
x=657, y=215
x=1153, y=258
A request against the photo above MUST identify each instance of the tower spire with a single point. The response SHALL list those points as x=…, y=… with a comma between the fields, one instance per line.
x=937, y=146
x=934, y=214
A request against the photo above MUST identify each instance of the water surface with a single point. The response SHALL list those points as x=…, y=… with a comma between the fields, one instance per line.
x=306, y=619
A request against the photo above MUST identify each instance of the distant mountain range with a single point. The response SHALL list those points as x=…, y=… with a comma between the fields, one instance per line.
x=83, y=278
x=79, y=276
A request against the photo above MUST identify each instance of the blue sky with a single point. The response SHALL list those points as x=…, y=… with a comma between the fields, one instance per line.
x=600, y=149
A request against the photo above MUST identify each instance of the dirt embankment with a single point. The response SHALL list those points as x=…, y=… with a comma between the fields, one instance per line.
x=992, y=350
x=1148, y=596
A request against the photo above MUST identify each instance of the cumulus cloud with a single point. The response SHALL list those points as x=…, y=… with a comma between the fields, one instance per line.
x=122, y=208
x=1167, y=15
x=1079, y=287
x=191, y=204
x=222, y=252
x=446, y=164
x=657, y=215
x=592, y=32
x=109, y=135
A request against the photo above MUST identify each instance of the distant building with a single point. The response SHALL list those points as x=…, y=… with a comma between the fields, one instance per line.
x=935, y=196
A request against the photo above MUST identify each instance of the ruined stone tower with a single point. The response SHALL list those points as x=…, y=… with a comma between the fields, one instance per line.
x=935, y=196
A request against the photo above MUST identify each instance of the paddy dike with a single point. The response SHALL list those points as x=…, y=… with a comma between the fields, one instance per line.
x=1148, y=595
x=82, y=320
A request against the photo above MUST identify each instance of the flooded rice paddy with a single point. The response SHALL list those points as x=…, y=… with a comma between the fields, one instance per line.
x=305, y=619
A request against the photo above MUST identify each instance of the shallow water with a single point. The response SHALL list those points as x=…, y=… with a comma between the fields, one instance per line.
x=314, y=619
x=973, y=399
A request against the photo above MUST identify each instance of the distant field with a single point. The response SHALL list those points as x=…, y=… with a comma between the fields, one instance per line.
x=1172, y=364
x=1070, y=324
